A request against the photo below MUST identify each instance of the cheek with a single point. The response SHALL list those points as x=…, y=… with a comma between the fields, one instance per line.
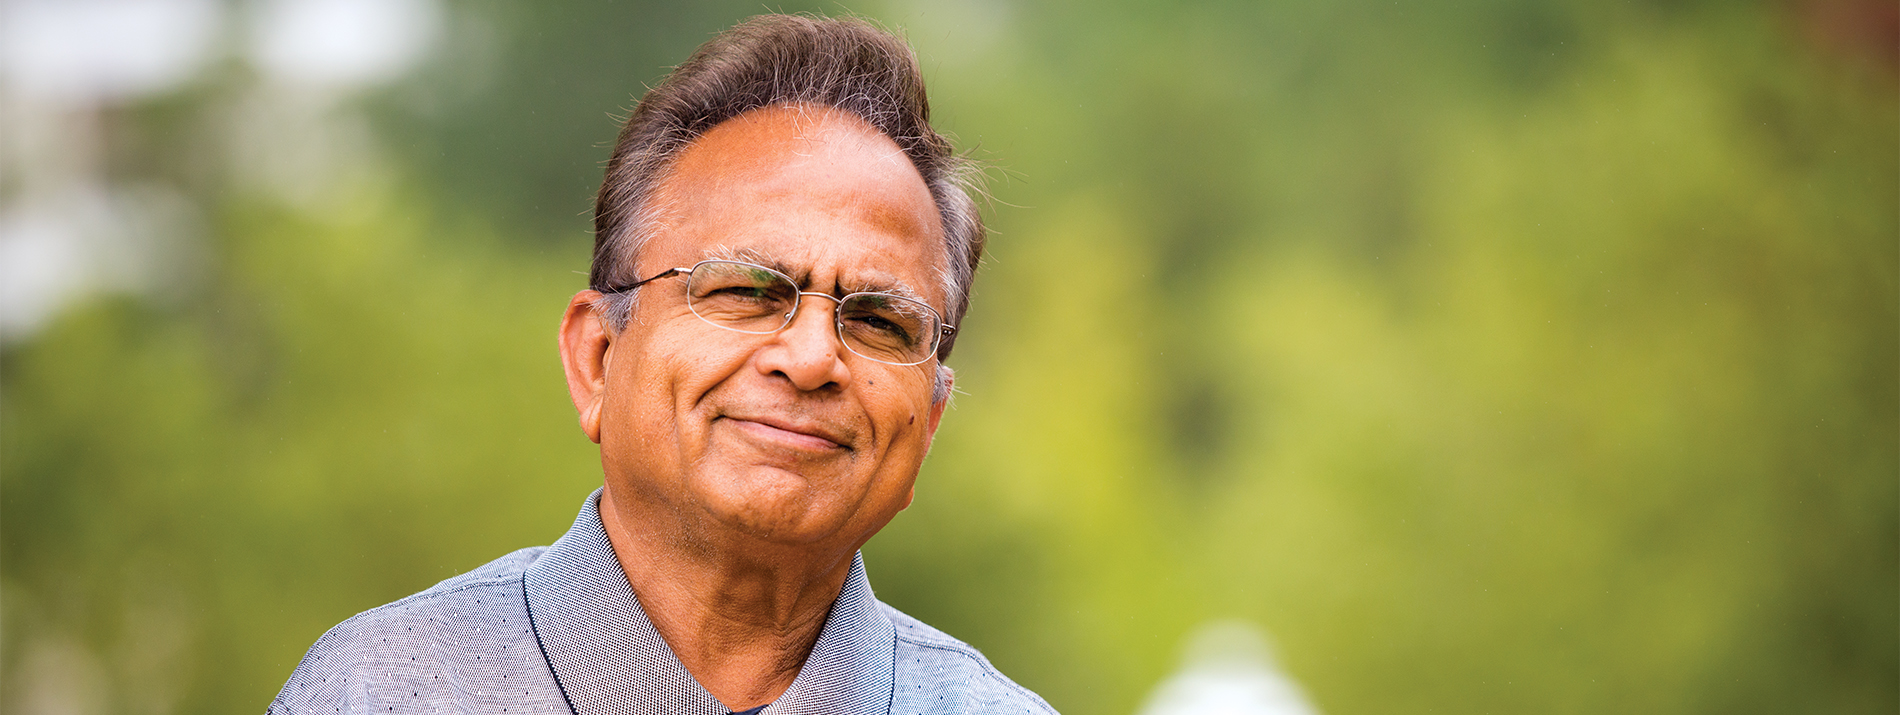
x=900, y=405
x=656, y=383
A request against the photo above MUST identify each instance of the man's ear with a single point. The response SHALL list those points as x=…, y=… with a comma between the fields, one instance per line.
x=939, y=399
x=940, y=396
x=585, y=343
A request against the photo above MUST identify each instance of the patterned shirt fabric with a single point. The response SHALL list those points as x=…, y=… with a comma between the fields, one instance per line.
x=557, y=630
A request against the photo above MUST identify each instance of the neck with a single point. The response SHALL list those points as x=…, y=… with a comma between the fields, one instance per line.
x=741, y=617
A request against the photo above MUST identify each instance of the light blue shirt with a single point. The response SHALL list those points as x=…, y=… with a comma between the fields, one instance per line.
x=557, y=629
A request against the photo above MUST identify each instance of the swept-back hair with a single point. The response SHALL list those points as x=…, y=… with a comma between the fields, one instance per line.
x=843, y=63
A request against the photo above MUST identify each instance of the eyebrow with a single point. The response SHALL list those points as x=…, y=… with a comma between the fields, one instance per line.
x=802, y=276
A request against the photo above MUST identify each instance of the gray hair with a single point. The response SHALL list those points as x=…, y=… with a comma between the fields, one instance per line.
x=842, y=63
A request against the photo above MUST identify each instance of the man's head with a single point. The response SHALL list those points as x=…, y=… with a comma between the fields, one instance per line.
x=798, y=145
x=841, y=63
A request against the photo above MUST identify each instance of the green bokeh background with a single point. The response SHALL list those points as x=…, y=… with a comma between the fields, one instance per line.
x=1495, y=357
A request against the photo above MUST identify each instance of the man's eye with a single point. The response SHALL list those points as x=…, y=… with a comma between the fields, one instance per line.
x=880, y=326
x=745, y=293
x=878, y=323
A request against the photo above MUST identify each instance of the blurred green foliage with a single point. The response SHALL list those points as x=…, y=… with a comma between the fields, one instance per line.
x=1495, y=356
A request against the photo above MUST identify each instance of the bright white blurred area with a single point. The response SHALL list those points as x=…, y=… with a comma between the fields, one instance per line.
x=1228, y=669
x=88, y=51
x=340, y=43
x=64, y=244
x=72, y=226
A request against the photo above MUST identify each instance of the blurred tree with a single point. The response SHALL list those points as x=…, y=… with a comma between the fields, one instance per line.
x=516, y=119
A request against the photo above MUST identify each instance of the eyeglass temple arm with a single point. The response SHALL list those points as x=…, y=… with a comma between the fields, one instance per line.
x=668, y=273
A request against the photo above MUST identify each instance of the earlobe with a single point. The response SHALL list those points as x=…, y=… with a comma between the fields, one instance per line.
x=940, y=398
x=585, y=344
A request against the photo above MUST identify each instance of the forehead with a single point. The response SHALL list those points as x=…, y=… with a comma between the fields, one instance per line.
x=813, y=189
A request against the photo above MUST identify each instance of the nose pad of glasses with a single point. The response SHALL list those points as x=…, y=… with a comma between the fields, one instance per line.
x=836, y=319
x=809, y=356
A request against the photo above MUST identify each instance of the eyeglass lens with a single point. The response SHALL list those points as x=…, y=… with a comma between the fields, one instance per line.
x=754, y=299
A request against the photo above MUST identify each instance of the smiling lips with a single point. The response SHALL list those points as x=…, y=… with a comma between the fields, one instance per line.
x=800, y=435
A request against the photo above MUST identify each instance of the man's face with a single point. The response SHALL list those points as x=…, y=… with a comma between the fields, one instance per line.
x=787, y=437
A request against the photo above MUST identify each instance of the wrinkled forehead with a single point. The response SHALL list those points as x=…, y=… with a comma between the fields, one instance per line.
x=795, y=138
x=813, y=192
x=858, y=279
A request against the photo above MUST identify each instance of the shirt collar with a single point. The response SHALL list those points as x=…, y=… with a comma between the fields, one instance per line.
x=608, y=658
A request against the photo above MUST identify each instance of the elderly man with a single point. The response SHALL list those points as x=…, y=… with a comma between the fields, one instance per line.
x=783, y=249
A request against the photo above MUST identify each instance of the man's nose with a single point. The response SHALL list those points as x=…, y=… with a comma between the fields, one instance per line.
x=807, y=351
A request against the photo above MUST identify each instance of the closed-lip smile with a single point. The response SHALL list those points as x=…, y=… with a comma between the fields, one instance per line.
x=801, y=433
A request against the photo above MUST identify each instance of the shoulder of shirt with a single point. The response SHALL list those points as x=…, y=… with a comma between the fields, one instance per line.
x=394, y=628
x=397, y=646
x=504, y=573
x=959, y=666
x=501, y=571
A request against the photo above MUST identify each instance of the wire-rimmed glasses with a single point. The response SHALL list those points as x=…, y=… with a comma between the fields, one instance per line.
x=749, y=298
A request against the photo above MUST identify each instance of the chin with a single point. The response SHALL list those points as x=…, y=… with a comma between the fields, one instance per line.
x=780, y=528
x=771, y=504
